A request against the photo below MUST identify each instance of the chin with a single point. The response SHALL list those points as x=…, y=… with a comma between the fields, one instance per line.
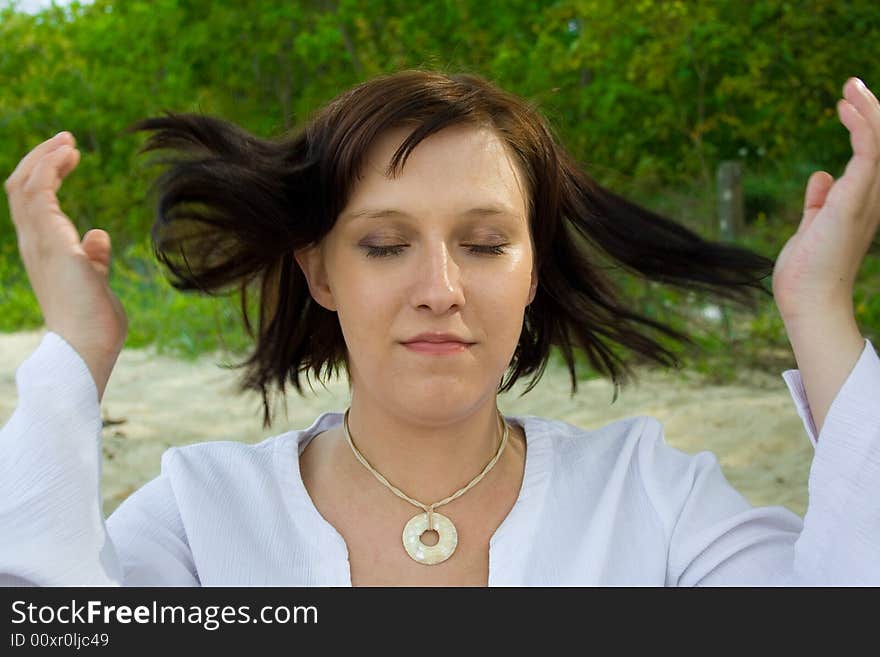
x=442, y=402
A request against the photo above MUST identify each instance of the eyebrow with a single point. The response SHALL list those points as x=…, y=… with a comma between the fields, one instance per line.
x=485, y=211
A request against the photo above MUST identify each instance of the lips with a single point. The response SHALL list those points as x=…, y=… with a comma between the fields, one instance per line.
x=449, y=347
x=438, y=338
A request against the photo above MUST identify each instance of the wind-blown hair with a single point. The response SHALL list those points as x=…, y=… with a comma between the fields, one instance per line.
x=234, y=207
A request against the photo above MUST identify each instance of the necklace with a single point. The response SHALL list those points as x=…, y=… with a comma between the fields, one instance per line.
x=430, y=520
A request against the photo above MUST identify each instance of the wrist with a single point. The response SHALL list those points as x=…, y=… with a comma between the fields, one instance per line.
x=822, y=326
x=805, y=317
x=826, y=350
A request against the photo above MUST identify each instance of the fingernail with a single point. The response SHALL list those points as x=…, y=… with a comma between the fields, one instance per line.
x=63, y=132
x=861, y=86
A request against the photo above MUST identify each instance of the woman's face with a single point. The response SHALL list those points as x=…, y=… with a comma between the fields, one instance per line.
x=417, y=254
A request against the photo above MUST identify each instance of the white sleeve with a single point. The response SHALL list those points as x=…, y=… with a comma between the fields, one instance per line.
x=150, y=537
x=717, y=538
x=52, y=528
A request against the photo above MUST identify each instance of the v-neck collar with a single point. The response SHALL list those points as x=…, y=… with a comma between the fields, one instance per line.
x=508, y=547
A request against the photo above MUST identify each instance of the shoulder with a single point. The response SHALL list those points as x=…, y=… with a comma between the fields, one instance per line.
x=627, y=464
x=224, y=461
x=633, y=447
x=569, y=441
x=222, y=450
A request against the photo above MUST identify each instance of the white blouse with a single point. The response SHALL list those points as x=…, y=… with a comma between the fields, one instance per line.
x=609, y=506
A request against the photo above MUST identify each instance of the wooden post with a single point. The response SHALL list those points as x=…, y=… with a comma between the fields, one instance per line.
x=730, y=199
x=731, y=212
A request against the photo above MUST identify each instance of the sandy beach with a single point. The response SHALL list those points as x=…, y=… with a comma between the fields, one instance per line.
x=153, y=402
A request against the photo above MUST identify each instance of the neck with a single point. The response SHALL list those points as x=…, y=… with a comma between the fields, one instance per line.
x=426, y=458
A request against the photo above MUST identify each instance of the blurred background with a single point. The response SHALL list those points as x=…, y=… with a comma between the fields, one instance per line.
x=654, y=98
x=651, y=96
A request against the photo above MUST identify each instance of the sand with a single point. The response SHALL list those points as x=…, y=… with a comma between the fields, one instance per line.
x=153, y=402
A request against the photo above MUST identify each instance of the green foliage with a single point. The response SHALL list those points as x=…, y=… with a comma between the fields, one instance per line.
x=20, y=308
x=183, y=324
x=649, y=96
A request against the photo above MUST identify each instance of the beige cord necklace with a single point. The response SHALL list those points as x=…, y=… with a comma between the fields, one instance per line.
x=422, y=522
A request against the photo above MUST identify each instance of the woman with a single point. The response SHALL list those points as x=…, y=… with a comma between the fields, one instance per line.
x=426, y=232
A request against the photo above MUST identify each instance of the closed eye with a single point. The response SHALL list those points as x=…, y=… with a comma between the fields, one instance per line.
x=397, y=249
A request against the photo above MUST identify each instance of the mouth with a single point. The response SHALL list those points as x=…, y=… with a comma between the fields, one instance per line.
x=437, y=348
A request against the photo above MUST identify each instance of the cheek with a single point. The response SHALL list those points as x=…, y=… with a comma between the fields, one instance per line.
x=502, y=306
x=511, y=287
x=362, y=307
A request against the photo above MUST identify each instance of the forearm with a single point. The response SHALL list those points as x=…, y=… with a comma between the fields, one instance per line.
x=826, y=349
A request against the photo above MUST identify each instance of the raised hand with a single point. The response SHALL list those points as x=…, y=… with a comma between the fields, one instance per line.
x=69, y=277
x=816, y=270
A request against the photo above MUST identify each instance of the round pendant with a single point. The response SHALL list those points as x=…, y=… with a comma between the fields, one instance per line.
x=430, y=554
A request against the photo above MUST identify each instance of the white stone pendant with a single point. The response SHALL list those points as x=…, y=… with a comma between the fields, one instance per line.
x=430, y=554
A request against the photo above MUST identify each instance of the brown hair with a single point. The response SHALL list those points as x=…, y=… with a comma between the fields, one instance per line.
x=235, y=207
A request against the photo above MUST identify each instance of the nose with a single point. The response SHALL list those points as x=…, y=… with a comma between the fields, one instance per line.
x=438, y=282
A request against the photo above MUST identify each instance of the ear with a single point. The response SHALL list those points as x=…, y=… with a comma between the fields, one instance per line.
x=311, y=261
x=533, y=288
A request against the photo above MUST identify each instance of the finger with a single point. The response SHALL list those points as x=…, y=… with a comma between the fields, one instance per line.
x=69, y=164
x=34, y=224
x=852, y=190
x=96, y=244
x=818, y=186
x=863, y=99
x=24, y=169
x=51, y=170
x=861, y=133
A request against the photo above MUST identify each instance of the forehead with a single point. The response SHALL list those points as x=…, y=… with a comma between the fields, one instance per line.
x=458, y=165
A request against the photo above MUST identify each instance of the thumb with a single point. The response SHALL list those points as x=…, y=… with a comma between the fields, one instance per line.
x=818, y=186
x=96, y=244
